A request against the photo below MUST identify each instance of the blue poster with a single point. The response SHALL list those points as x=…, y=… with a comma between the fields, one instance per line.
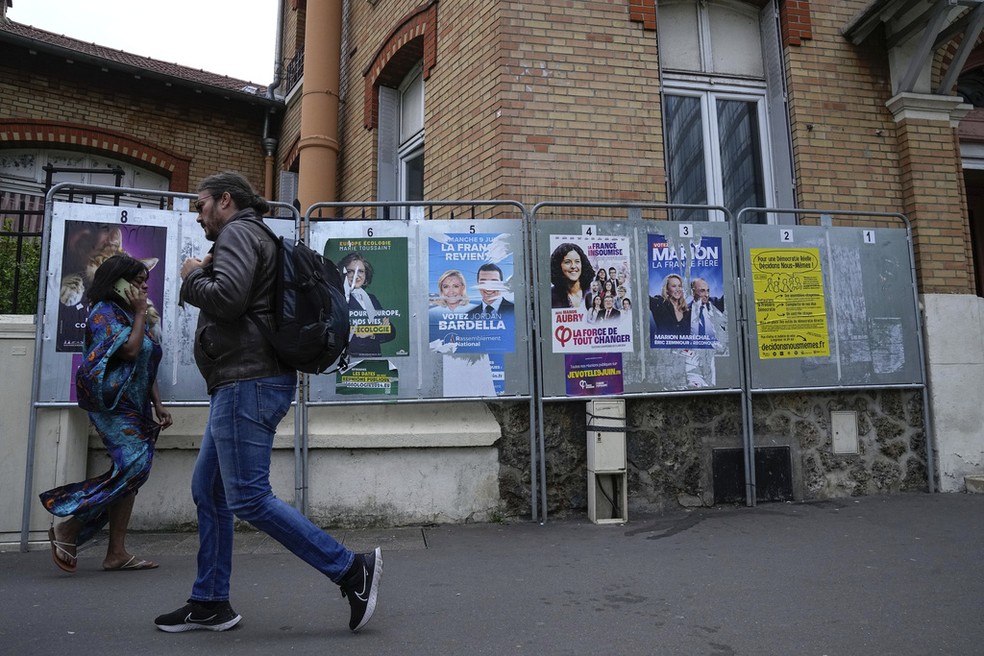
x=686, y=293
x=470, y=298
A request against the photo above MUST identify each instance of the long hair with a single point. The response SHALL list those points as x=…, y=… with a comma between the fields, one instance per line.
x=105, y=277
x=665, y=293
x=239, y=189
x=557, y=277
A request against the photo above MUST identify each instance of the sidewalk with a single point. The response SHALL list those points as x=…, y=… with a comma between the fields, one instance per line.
x=892, y=575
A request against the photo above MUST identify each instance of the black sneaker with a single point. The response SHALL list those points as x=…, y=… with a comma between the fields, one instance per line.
x=361, y=585
x=214, y=616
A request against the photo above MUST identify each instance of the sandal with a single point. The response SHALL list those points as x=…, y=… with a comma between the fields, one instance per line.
x=133, y=563
x=65, y=561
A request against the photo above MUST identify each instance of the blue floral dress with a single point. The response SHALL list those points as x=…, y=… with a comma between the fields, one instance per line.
x=116, y=393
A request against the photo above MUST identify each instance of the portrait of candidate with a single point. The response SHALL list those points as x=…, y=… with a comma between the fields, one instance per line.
x=706, y=311
x=491, y=285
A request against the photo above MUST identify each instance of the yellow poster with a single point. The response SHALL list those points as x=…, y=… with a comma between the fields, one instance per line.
x=790, y=313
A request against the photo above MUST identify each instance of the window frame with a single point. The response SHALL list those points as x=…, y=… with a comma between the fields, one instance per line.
x=709, y=90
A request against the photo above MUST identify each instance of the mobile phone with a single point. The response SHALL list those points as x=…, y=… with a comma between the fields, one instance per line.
x=121, y=286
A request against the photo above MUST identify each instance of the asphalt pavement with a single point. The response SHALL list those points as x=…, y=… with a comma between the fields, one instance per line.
x=899, y=575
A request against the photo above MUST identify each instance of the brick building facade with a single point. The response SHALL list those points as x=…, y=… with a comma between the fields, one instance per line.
x=590, y=101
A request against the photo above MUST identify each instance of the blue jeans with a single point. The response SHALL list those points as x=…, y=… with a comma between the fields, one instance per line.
x=232, y=477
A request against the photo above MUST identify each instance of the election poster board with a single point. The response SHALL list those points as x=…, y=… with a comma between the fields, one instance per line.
x=636, y=307
x=82, y=237
x=829, y=306
x=450, y=309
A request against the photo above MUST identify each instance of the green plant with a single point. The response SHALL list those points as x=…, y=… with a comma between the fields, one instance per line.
x=27, y=268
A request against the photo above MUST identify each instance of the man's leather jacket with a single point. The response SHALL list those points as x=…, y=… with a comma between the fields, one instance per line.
x=228, y=345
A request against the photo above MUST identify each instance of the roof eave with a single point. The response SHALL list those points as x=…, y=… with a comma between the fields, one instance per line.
x=37, y=45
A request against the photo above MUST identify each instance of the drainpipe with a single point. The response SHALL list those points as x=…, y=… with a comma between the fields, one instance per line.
x=269, y=142
x=318, y=146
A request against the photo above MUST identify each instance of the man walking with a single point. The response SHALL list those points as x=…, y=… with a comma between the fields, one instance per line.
x=250, y=392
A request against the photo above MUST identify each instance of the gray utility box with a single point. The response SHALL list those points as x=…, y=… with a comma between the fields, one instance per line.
x=608, y=493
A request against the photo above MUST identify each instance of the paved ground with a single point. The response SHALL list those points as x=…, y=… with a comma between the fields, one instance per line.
x=892, y=575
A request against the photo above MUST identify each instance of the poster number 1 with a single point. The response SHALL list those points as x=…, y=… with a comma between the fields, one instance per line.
x=869, y=236
x=786, y=236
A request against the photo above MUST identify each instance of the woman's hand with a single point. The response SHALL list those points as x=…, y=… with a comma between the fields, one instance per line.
x=137, y=298
x=163, y=416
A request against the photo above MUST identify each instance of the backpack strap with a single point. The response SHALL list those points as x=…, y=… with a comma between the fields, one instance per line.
x=250, y=314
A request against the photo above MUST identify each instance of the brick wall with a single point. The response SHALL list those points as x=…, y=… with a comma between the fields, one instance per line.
x=554, y=101
x=523, y=102
x=850, y=154
x=172, y=131
x=581, y=116
x=843, y=135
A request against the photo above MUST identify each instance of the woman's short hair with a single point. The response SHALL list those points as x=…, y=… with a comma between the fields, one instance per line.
x=452, y=273
x=352, y=257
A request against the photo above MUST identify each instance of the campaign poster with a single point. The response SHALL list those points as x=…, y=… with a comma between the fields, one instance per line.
x=471, y=304
x=686, y=293
x=375, y=277
x=593, y=374
x=790, y=312
x=369, y=378
x=590, y=293
x=87, y=245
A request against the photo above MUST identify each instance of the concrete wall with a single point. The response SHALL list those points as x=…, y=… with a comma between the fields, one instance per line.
x=955, y=349
x=369, y=465
x=60, y=444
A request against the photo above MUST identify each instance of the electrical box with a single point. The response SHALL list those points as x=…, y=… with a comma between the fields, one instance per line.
x=608, y=494
x=606, y=435
x=844, y=431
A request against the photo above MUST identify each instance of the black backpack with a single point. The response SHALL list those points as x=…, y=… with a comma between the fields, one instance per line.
x=310, y=314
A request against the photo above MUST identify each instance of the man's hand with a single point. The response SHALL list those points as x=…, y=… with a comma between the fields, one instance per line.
x=190, y=265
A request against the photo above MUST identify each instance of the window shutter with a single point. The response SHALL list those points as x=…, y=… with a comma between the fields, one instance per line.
x=288, y=192
x=778, y=114
x=388, y=135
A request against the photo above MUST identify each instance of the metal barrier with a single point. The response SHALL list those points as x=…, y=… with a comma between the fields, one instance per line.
x=57, y=338
x=577, y=355
x=792, y=275
x=461, y=352
x=664, y=349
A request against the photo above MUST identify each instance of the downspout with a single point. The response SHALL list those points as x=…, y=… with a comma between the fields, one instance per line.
x=270, y=143
x=318, y=146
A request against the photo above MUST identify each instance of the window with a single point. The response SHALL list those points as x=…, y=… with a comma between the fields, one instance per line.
x=715, y=148
x=22, y=171
x=411, y=151
x=726, y=131
x=401, y=140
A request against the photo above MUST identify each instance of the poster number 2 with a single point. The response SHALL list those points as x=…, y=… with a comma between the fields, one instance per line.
x=786, y=236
